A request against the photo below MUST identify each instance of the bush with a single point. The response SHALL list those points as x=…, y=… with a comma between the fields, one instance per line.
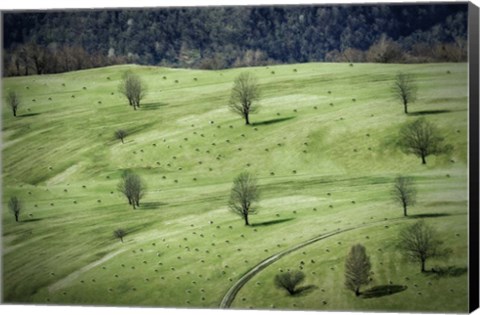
x=289, y=281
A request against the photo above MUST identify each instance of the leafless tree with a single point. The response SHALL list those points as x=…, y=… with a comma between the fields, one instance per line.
x=243, y=194
x=13, y=101
x=404, y=192
x=422, y=138
x=385, y=50
x=405, y=89
x=38, y=55
x=419, y=241
x=289, y=281
x=133, y=88
x=132, y=186
x=120, y=134
x=245, y=93
x=15, y=206
x=357, y=268
x=120, y=234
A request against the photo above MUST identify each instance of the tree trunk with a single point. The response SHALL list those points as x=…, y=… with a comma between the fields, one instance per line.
x=247, y=121
x=404, y=210
x=245, y=216
x=14, y=112
x=138, y=203
x=129, y=201
x=423, y=265
x=357, y=291
x=122, y=140
x=17, y=65
x=133, y=205
x=16, y=217
x=405, y=109
x=121, y=239
x=423, y=159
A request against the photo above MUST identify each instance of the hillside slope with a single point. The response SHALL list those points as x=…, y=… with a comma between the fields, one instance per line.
x=323, y=148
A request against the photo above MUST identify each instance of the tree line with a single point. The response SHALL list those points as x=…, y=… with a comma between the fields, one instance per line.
x=223, y=37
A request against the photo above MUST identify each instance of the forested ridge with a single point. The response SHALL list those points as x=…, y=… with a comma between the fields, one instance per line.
x=219, y=37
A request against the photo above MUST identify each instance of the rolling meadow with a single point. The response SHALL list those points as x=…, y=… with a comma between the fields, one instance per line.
x=324, y=149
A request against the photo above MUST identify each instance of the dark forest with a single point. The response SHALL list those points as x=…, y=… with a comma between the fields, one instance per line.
x=41, y=42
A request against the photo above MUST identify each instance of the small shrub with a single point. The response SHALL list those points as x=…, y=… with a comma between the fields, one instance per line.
x=289, y=281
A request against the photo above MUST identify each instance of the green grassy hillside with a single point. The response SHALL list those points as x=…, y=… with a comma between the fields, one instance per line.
x=323, y=148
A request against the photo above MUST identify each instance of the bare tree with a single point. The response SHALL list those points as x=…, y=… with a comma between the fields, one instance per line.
x=133, y=88
x=422, y=138
x=120, y=234
x=120, y=134
x=243, y=194
x=404, y=192
x=419, y=241
x=38, y=55
x=15, y=206
x=357, y=268
x=289, y=281
x=13, y=100
x=245, y=93
x=385, y=50
x=405, y=89
x=132, y=186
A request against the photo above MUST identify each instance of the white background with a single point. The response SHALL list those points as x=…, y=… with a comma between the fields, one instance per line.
x=48, y=4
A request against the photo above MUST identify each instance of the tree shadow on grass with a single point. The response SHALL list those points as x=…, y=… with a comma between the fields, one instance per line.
x=29, y=115
x=304, y=290
x=152, y=106
x=272, y=121
x=450, y=271
x=152, y=205
x=428, y=215
x=31, y=220
x=271, y=222
x=382, y=290
x=430, y=112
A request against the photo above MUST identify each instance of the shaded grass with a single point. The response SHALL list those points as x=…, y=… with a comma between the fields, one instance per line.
x=449, y=271
x=382, y=290
x=271, y=121
x=271, y=222
x=429, y=112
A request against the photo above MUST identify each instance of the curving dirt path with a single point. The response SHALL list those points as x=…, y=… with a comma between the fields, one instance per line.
x=232, y=292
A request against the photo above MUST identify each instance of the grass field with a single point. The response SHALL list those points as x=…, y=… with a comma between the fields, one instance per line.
x=323, y=148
